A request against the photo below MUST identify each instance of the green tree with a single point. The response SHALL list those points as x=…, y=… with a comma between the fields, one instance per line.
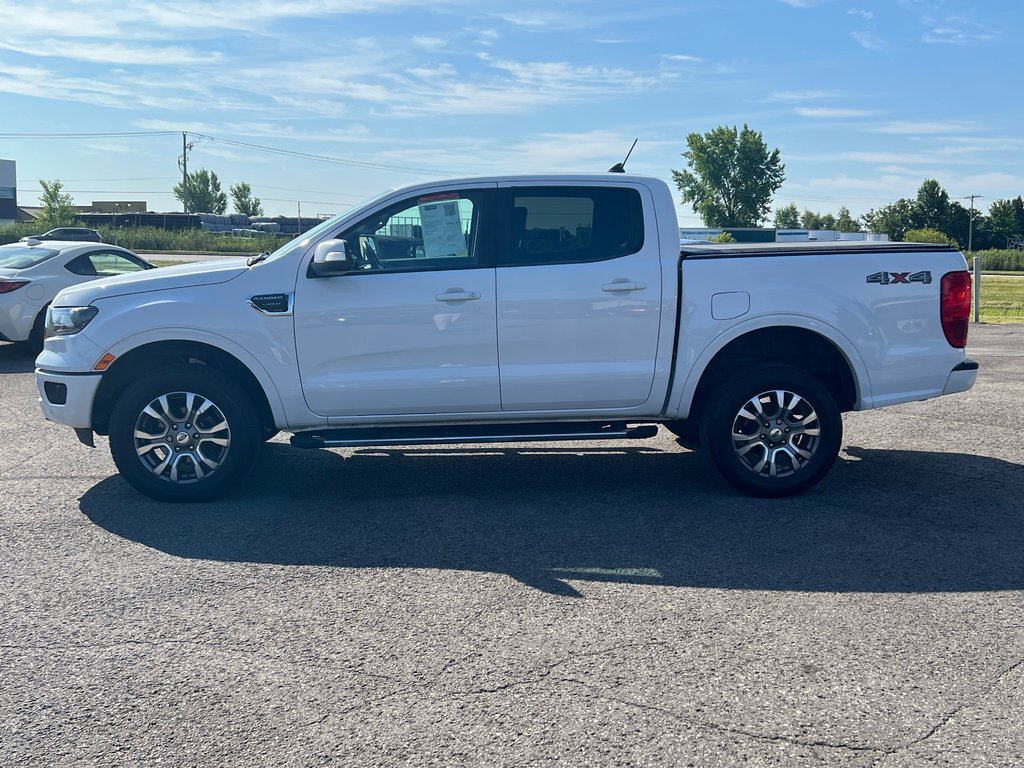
x=845, y=222
x=957, y=225
x=933, y=209
x=893, y=219
x=933, y=206
x=732, y=178
x=787, y=217
x=1006, y=219
x=244, y=202
x=58, y=206
x=722, y=237
x=927, y=236
x=810, y=220
x=200, y=193
x=828, y=221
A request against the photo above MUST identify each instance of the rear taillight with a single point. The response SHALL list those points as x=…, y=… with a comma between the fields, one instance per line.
x=956, y=307
x=6, y=286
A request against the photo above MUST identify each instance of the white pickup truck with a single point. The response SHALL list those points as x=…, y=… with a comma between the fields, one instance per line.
x=512, y=309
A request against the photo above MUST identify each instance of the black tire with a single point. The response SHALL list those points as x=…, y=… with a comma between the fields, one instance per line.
x=38, y=332
x=687, y=432
x=788, y=447
x=217, y=434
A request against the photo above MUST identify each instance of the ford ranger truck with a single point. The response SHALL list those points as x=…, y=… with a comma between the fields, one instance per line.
x=509, y=309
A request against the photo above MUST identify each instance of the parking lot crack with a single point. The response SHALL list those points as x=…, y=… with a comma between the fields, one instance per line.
x=951, y=715
x=546, y=670
x=702, y=724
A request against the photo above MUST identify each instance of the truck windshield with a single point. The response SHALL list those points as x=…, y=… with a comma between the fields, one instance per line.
x=17, y=256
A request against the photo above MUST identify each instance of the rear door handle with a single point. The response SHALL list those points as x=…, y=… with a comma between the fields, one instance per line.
x=613, y=287
x=458, y=296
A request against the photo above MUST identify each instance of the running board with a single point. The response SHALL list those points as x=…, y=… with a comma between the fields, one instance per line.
x=472, y=433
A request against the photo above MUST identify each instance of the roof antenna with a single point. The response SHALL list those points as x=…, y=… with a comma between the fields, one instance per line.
x=621, y=167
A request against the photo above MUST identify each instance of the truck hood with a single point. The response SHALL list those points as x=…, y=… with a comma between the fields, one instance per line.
x=159, y=279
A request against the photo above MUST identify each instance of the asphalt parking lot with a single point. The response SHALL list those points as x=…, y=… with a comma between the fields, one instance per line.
x=588, y=604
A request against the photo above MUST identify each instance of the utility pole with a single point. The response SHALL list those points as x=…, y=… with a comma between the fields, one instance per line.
x=183, y=164
x=970, y=223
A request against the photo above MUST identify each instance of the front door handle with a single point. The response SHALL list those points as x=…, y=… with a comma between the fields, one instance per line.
x=457, y=296
x=624, y=286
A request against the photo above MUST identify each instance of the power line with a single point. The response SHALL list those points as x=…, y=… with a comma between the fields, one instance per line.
x=321, y=158
x=234, y=143
x=102, y=191
x=137, y=178
x=118, y=135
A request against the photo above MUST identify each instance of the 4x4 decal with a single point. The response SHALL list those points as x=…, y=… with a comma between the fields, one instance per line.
x=885, y=278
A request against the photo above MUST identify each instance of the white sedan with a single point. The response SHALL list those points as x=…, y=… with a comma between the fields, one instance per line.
x=32, y=272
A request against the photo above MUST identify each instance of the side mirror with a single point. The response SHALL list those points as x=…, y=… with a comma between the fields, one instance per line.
x=330, y=258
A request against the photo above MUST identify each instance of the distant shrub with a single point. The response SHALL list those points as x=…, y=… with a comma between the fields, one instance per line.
x=722, y=237
x=1000, y=260
x=929, y=236
x=156, y=239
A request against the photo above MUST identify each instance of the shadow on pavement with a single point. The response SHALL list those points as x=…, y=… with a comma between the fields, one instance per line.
x=17, y=358
x=882, y=521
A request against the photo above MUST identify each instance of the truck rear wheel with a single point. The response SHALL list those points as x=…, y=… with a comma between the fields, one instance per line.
x=774, y=432
x=184, y=434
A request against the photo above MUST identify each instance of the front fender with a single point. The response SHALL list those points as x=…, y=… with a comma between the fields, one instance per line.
x=188, y=334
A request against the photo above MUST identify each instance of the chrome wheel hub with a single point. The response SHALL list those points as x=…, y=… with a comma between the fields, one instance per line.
x=776, y=433
x=182, y=437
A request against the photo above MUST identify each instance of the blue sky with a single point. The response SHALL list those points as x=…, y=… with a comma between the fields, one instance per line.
x=864, y=99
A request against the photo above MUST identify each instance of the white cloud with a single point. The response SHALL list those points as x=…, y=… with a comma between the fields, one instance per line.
x=486, y=37
x=808, y=95
x=956, y=36
x=867, y=40
x=995, y=180
x=803, y=3
x=113, y=53
x=830, y=113
x=911, y=158
x=548, y=17
x=682, y=57
x=43, y=83
x=157, y=19
x=911, y=127
x=55, y=20
x=430, y=43
x=956, y=30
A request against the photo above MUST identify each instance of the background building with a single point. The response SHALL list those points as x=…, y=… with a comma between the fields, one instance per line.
x=8, y=192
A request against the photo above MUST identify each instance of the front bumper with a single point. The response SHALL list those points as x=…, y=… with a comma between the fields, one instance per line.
x=76, y=390
x=962, y=377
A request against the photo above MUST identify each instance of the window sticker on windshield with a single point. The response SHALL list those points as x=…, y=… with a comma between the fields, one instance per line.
x=442, y=230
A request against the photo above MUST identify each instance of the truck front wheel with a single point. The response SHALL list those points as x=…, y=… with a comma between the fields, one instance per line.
x=774, y=432
x=184, y=434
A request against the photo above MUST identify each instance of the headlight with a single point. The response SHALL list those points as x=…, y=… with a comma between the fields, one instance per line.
x=63, y=321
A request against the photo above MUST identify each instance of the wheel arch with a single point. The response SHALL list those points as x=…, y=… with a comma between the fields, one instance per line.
x=817, y=349
x=167, y=353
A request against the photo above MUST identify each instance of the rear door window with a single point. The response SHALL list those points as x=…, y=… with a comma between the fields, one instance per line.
x=562, y=225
